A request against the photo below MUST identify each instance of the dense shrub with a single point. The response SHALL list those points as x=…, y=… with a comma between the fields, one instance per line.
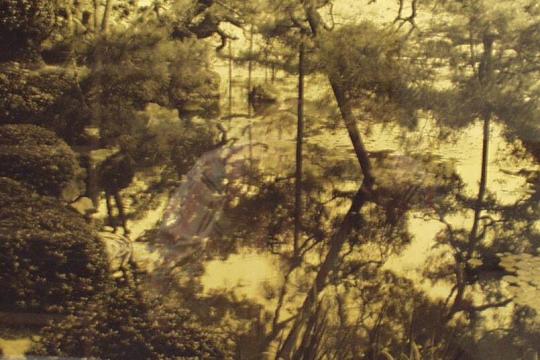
x=48, y=97
x=194, y=87
x=148, y=67
x=169, y=140
x=190, y=147
x=37, y=157
x=24, y=24
x=49, y=257
x=121, y=325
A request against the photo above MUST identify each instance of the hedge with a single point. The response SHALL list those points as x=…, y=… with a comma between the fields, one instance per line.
x=37, y=157
x=49, y=257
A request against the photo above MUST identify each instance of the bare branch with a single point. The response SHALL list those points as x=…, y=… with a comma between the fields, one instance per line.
x=411, y=19
x=331, y=14
x=487, y=306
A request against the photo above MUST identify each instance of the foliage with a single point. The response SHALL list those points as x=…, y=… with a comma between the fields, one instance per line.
x=49, y=257
x=48, y=96
x=171, y=141
x=488, y=56
x=194, y=88
x=120, y=324
x=147, y=67
x=371, y=65
x=389, y=313
x=24, y=24
x=363, y=57
x=38, y=158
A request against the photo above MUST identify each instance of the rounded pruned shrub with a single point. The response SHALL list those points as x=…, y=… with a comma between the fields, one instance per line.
x=48, y=96
x=120, y=324
x=49, y=257
x=24, y=24
x=37, y=157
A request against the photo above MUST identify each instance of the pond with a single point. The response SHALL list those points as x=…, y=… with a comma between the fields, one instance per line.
x=215, y=277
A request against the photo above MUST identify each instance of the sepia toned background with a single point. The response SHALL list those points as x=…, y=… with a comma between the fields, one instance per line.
x=265, y=179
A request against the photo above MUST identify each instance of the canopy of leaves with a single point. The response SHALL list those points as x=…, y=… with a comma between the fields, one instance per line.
x=369, y=63
x=146, y=67
x=49, y=257
x=488, y=52
x=168, y=140
x=362, y=58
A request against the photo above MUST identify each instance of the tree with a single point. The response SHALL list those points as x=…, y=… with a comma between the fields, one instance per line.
x=486, y=48
x=49, y=97
x=146, y=67
x=337, y=65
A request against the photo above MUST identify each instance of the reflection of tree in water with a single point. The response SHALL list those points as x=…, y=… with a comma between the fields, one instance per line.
x=362, y=307
x=478, y=266
x=362, y=304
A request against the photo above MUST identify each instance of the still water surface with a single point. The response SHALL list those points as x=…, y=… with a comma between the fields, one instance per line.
x=250, y=272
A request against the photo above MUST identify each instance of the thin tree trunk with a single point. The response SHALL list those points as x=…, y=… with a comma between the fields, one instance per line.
x=250, y=113
x=299, y=145
x=250, y=69
x=473, y=236
x=485, y=73
x=106, y=15
x=361, y=153
x=95, y=16
x=336, y=243
x=363, y=195
x=230, y=80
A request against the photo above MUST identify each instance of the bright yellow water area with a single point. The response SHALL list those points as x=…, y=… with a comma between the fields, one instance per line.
x=15, y=348
x=247, y=274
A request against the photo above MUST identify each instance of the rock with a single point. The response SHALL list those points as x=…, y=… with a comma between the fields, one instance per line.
x=119, y=250
x=84, y=206
x=71, y=191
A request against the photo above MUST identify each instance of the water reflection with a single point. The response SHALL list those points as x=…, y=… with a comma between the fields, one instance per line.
x=245, y=281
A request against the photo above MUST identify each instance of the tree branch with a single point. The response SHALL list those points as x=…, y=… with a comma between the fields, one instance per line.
x=487, y=306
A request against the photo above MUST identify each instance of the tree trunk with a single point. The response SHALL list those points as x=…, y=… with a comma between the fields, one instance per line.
x=473, y=236
x=250, y=113
x=485, y=75
x=299, y=145
x=106, y=15
x=95, y=16
x=336, y=243
x=230, y=80
x=345, y=109
x=353, y=215
x=250, y=69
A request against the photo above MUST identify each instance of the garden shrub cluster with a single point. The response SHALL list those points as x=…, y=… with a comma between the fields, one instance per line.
x=120, y=324
x=37, y=157
x=25, y=24
x=49, y=257
x=48, y=97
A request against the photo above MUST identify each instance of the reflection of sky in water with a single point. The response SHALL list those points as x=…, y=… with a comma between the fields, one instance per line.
x=244, y=274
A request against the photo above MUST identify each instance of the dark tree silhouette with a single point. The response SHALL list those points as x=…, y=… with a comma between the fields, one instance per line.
x=114, y=175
